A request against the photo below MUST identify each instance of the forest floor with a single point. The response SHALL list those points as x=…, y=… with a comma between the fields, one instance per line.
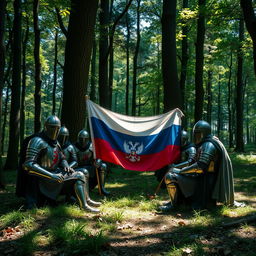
x=129, y=223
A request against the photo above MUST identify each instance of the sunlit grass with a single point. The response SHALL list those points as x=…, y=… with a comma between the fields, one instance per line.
x=187, y=249
x=67, y=211
x=237, y=211
x=12, y=218
x=73, y=238
x=246, y=158
x=203, y=218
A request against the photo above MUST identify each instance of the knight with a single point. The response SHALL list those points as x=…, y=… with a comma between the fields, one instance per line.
x=206, y=181
x=187, y=157
x=71, y=157
x=97, y=169
x=45, y=160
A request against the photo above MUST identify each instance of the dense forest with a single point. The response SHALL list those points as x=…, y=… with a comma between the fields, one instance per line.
x=135, y=57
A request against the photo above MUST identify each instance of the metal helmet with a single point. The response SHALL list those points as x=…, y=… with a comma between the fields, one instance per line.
x=184, y=138
x=200, y=131
x=52, y=127
x=63, y=135
x=83, y=138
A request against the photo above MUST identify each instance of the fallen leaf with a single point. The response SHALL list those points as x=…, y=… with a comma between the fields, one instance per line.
x=181, y=223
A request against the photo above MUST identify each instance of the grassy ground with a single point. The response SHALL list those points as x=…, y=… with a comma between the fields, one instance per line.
x=129, y=223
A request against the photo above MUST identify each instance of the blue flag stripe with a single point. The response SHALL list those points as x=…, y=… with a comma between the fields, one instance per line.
x=151, y=143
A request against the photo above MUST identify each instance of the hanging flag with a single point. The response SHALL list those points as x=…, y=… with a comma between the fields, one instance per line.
x=135, y=143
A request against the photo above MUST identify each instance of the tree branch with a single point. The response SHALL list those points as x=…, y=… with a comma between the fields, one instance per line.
x=60, y=21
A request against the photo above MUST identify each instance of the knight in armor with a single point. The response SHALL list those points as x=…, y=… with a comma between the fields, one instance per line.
x=71, y=157
x=97, y=169
x=46, y=162
x=206, y=181
x=187, y=156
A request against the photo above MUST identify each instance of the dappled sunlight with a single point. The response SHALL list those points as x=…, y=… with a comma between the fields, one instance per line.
x=246, y=158
x=116, y=185
x=249, y=230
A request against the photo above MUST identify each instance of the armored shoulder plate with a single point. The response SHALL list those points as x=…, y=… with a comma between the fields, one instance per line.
x=207, y=153
x=35, y=145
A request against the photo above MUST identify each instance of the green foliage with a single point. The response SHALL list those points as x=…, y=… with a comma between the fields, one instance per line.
x=74, y=240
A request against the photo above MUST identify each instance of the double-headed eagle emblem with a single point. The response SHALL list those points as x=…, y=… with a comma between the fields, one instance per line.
x=133, y=149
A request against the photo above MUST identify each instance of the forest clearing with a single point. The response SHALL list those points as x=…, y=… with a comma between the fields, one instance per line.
x=130, y=223
x=150, y=71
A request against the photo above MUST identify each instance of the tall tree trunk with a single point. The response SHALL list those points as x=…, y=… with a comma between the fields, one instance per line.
x=111, y=62
x=184, y=61
x=93, y=71
x=7, y=80
x=55, y=73
x=230, y=119
x=77, y=62
x=127, y=46
x=172, y=91
x=111, y=73
x=2, y=65
x=239, y=92
x=209, y=97
x=103, y=54
x=219, y=109
x=158, y=84
x=12, y=155
x=248, y=138
x=23, y=87
x=5, y=113
x=135, y=61
x=38, y=81
x=199, y=89
x=250, y=21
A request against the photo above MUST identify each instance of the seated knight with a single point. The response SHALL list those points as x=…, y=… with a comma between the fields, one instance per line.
x=187, y=156
x=84, y=151
x=45, y=161
x=206, y=181
x=71, y=157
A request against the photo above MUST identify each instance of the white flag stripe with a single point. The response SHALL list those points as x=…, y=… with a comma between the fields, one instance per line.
x=135, y=126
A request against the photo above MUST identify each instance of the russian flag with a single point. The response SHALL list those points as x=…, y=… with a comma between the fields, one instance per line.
x=135, y=143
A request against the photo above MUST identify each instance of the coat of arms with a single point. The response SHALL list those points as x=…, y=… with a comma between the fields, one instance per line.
x=133, y=149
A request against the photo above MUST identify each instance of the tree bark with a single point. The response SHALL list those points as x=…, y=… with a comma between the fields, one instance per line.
x=77, y=62
x=135, y=61
x=2, y=65
x=23, y=87
x=172, y=91
x=184, y=60
x=38, y=81
x=209, y=97
x=230, y=119
x=219, y=109
x=103, y=54
x=199, y=89
x=55, y=73
x=93, y=71
x=240, y=92
x=250, y=22
x=12, y=155
x=127, y=46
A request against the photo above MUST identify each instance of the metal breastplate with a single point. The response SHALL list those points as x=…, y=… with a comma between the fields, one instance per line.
x=83, y=157
x=47, y=156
